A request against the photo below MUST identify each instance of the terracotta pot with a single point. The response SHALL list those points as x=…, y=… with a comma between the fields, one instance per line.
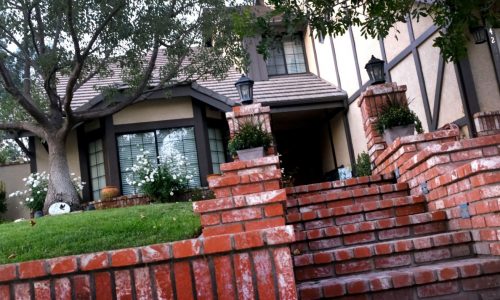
x=109, y=192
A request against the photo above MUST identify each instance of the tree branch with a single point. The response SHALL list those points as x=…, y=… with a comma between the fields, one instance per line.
x=22, y=99
x=74, y=36
x=26, y=126
x=41, y=28
x=101, y=27
x=83, y=116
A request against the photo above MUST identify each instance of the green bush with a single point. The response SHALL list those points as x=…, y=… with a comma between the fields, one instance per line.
x=396, y=114
x=249, y=136
x=3, y=198
x=363, y=165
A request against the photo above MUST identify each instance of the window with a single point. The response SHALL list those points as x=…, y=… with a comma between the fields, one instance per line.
x=166, y=142
x=216, y=148
x=286, y=57
x=96, y=162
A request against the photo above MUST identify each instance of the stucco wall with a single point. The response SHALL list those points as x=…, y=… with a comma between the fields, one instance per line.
x=157, y=110
x=405, y=71
x=485, y=80
x=42, y=157
x=338, y=135
x=12, y=176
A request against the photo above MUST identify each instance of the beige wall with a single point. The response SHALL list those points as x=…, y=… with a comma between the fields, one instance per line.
x=485, y=80
x=156, y=110
x=405, y=73
x=340, y=141
x=42, y=157
x=12, y=176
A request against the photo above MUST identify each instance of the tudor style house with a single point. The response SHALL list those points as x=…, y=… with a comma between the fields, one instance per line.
x=311, y=85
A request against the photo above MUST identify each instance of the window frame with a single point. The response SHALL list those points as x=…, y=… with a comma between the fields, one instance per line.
x=153, y=130
x=299, y=35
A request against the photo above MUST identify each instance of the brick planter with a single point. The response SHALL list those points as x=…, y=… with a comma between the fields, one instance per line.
x=487, y=123
x=121, y=201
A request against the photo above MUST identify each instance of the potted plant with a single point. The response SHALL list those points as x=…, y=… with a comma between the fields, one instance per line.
x=397, y=120
x=250, y=142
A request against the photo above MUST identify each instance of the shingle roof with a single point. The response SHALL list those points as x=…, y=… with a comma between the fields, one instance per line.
x=277, y=91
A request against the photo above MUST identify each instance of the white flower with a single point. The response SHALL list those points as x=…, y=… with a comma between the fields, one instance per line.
x=171, y=193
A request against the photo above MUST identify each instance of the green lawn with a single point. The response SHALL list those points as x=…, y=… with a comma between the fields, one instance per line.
x=96, y=231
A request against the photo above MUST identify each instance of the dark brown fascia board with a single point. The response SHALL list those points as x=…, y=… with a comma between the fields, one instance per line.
x=309, y=106
x=339, y=98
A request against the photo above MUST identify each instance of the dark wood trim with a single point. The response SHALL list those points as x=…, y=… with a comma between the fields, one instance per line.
x=415, y=44
x=334, y=54
x=420, y=74
x=148, y=126
x=111, y=153
x=384, y=57
x=355, y=54
x=356, y=94
x=437, y=94
x=307, y=107
x=460, y=122
x=314, y=53
x=202, y=143
x=468, y=91
x=32, y=148
x=495, y=52
x=83, y=156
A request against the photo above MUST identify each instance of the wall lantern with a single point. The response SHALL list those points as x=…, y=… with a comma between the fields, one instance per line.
x=479, y=33
x=375, y=70
x=244, y=85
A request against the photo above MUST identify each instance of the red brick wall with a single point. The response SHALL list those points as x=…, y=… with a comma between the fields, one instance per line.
x=245, y=265
x=121, y=201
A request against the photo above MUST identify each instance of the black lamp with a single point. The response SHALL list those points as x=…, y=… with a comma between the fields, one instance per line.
x=479, y=33
x=375, y=70
x=244, y=85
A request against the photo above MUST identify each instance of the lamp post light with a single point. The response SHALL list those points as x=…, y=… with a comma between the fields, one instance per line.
x=375, y=70
x=244, y=85
x=479, y=33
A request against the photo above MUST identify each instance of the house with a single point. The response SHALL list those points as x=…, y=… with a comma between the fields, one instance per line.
x=311, y=84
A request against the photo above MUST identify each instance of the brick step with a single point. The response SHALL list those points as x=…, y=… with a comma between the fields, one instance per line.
x=336, y=198
x=372, y=210
x=383, y=255
x=470, y=276
x=346, y=184
x=324, y=234
x=242, y=213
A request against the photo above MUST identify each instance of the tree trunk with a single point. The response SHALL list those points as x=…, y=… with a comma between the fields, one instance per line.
x=60, y=188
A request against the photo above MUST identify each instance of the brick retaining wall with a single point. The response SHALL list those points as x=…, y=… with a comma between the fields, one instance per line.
x=246, y=265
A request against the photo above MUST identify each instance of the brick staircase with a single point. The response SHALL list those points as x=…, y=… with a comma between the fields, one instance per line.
x=379, y=237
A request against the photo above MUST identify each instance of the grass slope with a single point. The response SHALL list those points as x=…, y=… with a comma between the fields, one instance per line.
x=97, y=231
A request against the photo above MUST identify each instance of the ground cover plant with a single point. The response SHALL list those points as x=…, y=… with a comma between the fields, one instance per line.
x=93, y=231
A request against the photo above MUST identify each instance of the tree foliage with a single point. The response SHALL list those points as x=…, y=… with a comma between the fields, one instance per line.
x=49, y=49
x=376, y=18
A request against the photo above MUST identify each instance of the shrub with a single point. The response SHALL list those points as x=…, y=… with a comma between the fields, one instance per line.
x=37, y=185
x=3, y=203
x=396, y=114
x=160, y=181
x=363, y=165
x=249, y=136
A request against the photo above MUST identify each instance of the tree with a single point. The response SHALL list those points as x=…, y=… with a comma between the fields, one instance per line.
x=377, y=17
x=50, y=48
